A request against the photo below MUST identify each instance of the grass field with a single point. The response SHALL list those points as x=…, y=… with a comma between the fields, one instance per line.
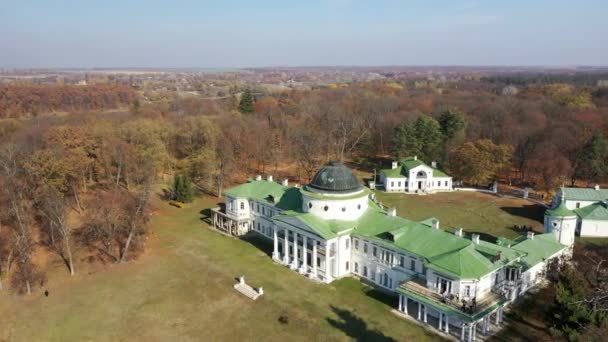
x=473, y=211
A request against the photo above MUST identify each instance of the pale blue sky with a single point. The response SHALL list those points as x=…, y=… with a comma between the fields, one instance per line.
x=239, y=33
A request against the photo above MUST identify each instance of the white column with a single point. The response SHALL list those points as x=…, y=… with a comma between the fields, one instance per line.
x=295, y=250
x=328, y=274
x=286, y=247
x=400, y=303
x=405, y=304
x=447, y=324
x=304, y=254
x=470, y=332
x=500, y=315
x=419, y=308
x=424, y=313
x=314, y=258
x=440, y=320
x=462, y=328
x=275, y=252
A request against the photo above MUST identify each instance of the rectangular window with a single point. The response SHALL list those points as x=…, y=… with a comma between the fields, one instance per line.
x=258, y=208
x=392, y=184
x=365, y=271
x=399, y=184
x=347, y=243
x=578, y=205
x=402, y=261
x=242, y=205
x=356, y=267
x=356, y=244
x=373, y=276
x=374, y=251
x=347, y=265
x=263, y=211
x=413, y=265
x=467, y=291
x=365, y=247
x=446, y=183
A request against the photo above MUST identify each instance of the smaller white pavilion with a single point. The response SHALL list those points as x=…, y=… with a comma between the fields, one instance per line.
x=413, y=176
x=584, y=210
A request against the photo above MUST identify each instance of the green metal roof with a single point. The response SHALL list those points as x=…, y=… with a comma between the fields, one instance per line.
x=538, y=249
x=442, y=251
x=405, y=165
x=585, y=194
x=439, y=173
x=283, y=197
x=596, y=211
x=560, y=211
x=410, y=163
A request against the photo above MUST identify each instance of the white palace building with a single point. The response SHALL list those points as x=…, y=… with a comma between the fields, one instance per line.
x=334, y=228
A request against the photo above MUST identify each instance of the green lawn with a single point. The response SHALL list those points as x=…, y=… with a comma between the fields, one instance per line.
x=473, y=211
x=182, y=290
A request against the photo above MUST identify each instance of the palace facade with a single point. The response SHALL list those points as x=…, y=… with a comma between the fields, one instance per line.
x=334, y=228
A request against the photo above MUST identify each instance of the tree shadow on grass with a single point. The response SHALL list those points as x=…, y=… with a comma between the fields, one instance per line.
x=355, y=327
x=531, y=211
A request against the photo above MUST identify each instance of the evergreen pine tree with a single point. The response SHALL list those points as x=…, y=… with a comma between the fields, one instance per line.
x=182, y=189
x=246, y=104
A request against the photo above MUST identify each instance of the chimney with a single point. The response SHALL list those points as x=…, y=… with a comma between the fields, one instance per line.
x=285, y=182
x=530, y=235
x=258, y=178
x=497, y=256
x=435, y=224
x=434, y=164
x=475, y=239
x=394, y=165
x=269, y=178
x=597, y=186
x=415, y=157
x=392, y=212
x=458, y=232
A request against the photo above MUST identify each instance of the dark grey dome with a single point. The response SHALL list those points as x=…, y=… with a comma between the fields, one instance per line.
x=335, y=177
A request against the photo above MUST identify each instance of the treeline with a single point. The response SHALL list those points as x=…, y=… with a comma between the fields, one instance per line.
x=31, y=100
x=550, y=135
x=79, y=187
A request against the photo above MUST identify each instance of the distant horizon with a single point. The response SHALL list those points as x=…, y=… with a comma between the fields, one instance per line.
x=323, y=66
x=265, y=33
